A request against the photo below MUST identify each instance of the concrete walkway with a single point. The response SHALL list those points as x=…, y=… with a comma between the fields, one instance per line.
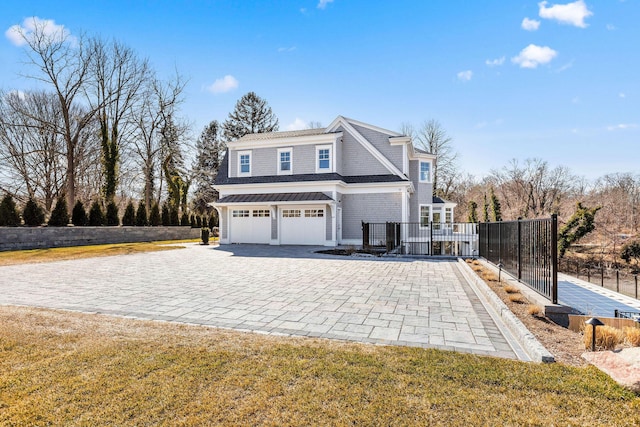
x=276, y=290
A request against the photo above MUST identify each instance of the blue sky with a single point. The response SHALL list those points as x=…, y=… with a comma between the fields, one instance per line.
x=516, y=79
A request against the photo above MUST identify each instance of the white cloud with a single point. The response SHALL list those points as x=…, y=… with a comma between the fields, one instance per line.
x=532, y=56
x=565, y=67
x=465, y=76
x=611, y=27
x=297, y=124
x=225, y=84
x=287, y=49
x=622, y=95
x=323, y=3
x=570, y=13
x=495, y=62
x=622, y=126
x=530, y=24
x=19, y=34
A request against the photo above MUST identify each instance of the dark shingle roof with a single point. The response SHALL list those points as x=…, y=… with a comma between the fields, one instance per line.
x=223, y=179
x=275, y=197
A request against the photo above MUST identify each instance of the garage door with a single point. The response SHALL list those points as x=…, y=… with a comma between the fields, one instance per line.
x=250, y=225
x=302, y=226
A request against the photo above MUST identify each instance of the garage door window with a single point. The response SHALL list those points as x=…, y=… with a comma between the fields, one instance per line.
x=291, y=213
x=240, y=214
x=261, y=213
x=314, y=213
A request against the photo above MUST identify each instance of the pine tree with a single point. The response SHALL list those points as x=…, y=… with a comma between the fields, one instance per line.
x=166, y=216
x=496, y=209
x=32, y=214
x=129, y=217
x=252, y=114
x=192, y=221
x=79, y=215
x=210, y=152
x=113, y=220
x=9, y=216
x=485, y=209
x=141, y=215
x=473, y=212
x=60, y=214
x=174, y=218
x=581, y=223
x=198, y=222
x=184, y=220
x=96, y=215
x=154, y=217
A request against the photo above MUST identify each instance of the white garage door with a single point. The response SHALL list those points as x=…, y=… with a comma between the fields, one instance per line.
x=302, y=226
x=250, y=225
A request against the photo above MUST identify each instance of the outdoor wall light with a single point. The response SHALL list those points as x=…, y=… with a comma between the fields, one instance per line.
x=594, y=322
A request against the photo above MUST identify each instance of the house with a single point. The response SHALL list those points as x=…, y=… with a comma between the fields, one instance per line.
x=317, y=186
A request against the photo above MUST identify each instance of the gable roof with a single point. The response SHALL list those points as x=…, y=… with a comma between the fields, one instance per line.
x=275, y=197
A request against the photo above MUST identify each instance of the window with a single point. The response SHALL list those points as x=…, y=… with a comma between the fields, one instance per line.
x=425, y=215
x=425, y=172
x=291, y=213
x=261, y=213
x=284, y=161
x=244, y=163
x=323, y=162
x=448, y=215
x=314, y=213
x=240, y=214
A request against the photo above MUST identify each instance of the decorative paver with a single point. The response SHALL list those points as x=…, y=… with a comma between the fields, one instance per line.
x=277, y=290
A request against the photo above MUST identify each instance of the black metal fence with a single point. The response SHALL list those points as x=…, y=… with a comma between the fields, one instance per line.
x=430, y=239
x=607, y=275
x=527, y=249
x=633, y=315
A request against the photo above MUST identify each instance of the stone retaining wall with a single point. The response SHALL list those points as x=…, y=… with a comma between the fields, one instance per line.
x=13, y=238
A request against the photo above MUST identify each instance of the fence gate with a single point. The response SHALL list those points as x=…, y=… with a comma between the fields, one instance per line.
x=526, y=249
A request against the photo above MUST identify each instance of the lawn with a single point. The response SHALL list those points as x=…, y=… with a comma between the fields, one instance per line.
x=66, y=368
x=77, y=252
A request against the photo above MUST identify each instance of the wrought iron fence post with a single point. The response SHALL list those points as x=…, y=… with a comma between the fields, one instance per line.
x=365, y=235
x=602, y=275
x=431, y=238
x=617, y=280
x=636, y=280
x=519, y=248
x=554, y=258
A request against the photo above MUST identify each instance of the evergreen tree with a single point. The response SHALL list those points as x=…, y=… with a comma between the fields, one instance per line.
x=252, y=114
x=129, y=217
x=9, y=216
x=96, y=215
x=485, y=209
x=79, y=215
x=473, y=212
x=113, y=220
x=141, y=215
x=60, y=215
x=496, y=209
x=154, y=217
x=166, y=216
x=210, y=152
x=174, y=218
x=32, y=214
x=631, y=251
x=184, y=220
x=581, y=223
x=198, y=222
x=192, y=221
x=213, y=220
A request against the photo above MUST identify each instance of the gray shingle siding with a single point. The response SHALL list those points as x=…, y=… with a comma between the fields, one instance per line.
x=423, y=192
x=381, y=142
x=356, y=160
x=376, y=207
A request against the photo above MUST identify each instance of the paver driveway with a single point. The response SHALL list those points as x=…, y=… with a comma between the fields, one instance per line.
x=282, y=290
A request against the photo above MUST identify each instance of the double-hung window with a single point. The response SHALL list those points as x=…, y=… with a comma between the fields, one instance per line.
x=323, y=158
x=425, y=172
x=244, y=163
x=285, y=161
x=425, y=215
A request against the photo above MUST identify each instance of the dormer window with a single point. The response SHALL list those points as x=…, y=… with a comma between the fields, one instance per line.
x=285, y=165
x=323, y=158
x=244, y=163
x=425, y=172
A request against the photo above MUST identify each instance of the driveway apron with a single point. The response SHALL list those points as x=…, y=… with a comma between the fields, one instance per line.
x=276, y=290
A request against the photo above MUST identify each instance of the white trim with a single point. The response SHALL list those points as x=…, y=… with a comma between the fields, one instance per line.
x=323, y=138
x=239, y=156
x=400, y=140
x=334, y=124
x=314, y=186
x=279, y=162
x=332, y=162
x=429, y=179
x=420, y=206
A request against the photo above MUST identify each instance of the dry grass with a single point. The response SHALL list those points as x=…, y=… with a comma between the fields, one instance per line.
x=632, y=336
x=517, y=298
x=534, y=310
x=510, y=289
x=488, y=276
x=77, y=252
x=61, y=368
x=607, y=337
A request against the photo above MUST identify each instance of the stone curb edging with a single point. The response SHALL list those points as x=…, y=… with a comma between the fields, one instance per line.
x=527, y=340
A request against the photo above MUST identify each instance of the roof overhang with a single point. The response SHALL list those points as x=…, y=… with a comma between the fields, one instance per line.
x=324, y=138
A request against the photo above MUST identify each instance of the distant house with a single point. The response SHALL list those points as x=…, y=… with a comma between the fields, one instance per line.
x=317, y=186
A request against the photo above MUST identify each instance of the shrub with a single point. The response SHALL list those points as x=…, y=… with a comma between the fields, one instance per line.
x=9, y=216
x=213, y=220
x=113, y=220
x=489, y=276
x=32, y=214
x=517, y=298
x=96, y=216
x=198, y=222
x=141, y=215
x=154, y=217
x=79, y=215
x=632, y=336
x=60, y=215
x=184, y=220
x=192, y=221
x=607, y=337
x=129, y=217
x=510, y=289
x=166, y=216
x=174, y=219
x=535, y=310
